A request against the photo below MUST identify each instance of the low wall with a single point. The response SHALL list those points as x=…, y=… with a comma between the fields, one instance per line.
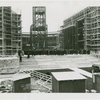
x=9, y=64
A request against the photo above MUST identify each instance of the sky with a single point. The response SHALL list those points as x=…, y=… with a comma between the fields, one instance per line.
x=56, y=10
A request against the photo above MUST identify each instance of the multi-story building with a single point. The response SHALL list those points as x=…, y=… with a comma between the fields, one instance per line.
x=82, y=30
x=16, y=32
x=38, y=30
x=25, y=41
x=10, y=31
x=61, y=39
x=53, y=40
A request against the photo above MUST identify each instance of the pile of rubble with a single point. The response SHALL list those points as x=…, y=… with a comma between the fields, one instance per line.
x=6, y=86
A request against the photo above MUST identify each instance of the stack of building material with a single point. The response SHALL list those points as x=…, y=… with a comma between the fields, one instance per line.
x=9, y=64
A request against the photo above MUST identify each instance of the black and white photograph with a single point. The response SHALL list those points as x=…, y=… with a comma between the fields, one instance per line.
x=49, y=46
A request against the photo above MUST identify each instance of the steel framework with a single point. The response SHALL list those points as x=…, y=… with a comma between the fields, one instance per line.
x=38, y=30
x=86, y=30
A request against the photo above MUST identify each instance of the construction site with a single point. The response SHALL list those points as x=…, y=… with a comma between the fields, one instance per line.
x=67, y=61
x=51, y=74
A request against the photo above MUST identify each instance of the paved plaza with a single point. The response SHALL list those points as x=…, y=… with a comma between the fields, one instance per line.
x=43, y=62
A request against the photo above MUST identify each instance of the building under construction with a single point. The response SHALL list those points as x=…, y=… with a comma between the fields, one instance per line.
x=38, y=29
x=10, y=31
x=52, y=40
x=25, y=41
x=82, y=31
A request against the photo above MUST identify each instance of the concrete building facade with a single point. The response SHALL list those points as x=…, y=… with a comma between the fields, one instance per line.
x=10, y=31
x=53, y=40
x=25, y=41
x=38, y=29
x=61, y=39
x=82, y=31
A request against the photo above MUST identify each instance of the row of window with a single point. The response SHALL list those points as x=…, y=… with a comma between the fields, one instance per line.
x=97, y=30
x=95, y=42
x=92, y=20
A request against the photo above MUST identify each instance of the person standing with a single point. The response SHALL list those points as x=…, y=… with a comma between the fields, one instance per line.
x=20, y=55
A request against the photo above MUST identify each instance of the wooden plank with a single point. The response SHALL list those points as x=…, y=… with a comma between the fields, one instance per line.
x=83, y=72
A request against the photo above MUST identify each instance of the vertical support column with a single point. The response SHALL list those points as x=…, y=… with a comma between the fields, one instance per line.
x=3, y=31
x=11, y=35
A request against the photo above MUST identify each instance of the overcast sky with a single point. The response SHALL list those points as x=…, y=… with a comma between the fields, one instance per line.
x=56, y=10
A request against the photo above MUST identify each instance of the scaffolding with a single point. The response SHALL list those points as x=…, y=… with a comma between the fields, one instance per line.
x=16, y=32
x=10, y=24
x=5, y=30
x=38, y=30
x=87, y=29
